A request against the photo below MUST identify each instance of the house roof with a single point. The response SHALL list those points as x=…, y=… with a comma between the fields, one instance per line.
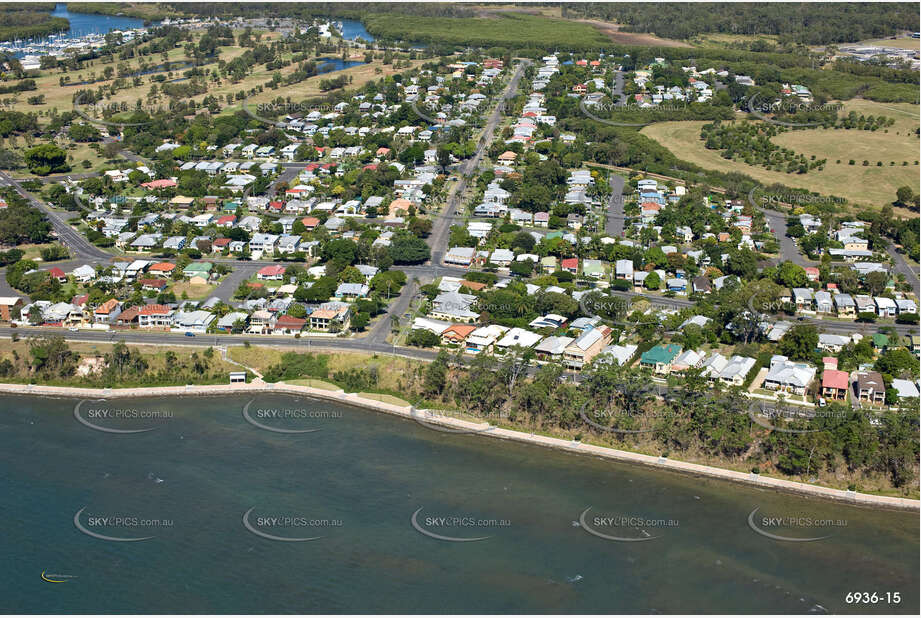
x=289, y=321
x=154, y=310
x=271, y=271
x=832, y=378
x=662, y=353
x=458, y=331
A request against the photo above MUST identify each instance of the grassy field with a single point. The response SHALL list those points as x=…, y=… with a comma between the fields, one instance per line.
x=390, y=369
x=722, y=39
x=870, y=186
x=34, y=252
x=508, y=29
x=903, y=43
x=60, y=98
x=192, y=291
x=385, y=398
x=155, y=355
x=326, y=386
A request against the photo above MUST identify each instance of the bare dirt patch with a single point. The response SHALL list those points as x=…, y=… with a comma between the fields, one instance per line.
x=613, y=32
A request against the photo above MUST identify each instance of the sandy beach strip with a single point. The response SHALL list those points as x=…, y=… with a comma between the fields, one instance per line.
x=460, y=426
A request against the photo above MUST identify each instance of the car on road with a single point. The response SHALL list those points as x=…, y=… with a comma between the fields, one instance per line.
x=190, y=334
x=73, y=329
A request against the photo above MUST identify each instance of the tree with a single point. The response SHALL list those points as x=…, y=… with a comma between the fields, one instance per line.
x=876, y=282
x=904, y=196
x=791, y=275
x=524, y=241
x=45, y=159
x=800, y=342
x=360, y=320
x=897, y=362
x=653, y=281
x=436, y=374
x=406, y=248
x=423, y=339
x=420, y=227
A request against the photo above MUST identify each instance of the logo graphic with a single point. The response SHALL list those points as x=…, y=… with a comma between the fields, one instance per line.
x=276, y=521
x=613, y=123
x=420, y=417
x=800, y=521
x=109, y=413
x=56, y=579
x=249, y=419
x=115, y=521
x=445, y=521
x=762, y=108
x=584, y=524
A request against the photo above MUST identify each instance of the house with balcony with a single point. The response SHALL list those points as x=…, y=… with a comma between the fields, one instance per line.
x=869, y=387
x=659, y=358
x=329, y=316
x=155, y=316
x=484, y=338
x=835, y=384
x=586, y=347
x=787, y=376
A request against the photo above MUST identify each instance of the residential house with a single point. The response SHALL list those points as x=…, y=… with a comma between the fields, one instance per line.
x=785, y=375
x=586, y=347
x=659, y=358
x=869, y=387
x=834, y=384
x=330, y=315
x=155, y=316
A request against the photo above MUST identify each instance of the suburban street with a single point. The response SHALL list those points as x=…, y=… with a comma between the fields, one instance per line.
x=789, y=251
x=614, y=221
x=438, y=239
x=376, y=339
x=902, y=266
x=79, y=245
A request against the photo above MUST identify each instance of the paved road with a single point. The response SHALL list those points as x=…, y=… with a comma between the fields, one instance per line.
x=76, y=242
x=789, y=251
x=902, y=266
x=438, y=239
x=617, y=89
x=614, y=224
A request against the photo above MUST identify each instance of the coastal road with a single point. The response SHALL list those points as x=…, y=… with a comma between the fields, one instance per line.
x=614, y=223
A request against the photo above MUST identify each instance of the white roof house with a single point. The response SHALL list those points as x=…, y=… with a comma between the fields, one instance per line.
x=518, y=337
x=786, y=375
x=620, y=354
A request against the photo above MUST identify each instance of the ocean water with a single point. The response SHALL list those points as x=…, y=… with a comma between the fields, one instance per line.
x=353, y=29
x=356, y=481
x=87, y=23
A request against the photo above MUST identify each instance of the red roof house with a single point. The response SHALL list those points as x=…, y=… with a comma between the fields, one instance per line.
x=834, y=384
x=274, y=272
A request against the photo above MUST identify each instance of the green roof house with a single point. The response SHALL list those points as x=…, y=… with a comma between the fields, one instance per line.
x=659, y=358
x=880, y=341
x=198, y=268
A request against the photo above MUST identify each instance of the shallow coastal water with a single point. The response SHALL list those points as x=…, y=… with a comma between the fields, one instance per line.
x=91, y=23
x=356, y=483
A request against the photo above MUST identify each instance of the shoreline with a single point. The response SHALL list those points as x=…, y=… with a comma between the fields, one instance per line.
x=470, y=428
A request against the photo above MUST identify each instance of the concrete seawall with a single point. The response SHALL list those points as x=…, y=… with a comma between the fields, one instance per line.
x=483, y=429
